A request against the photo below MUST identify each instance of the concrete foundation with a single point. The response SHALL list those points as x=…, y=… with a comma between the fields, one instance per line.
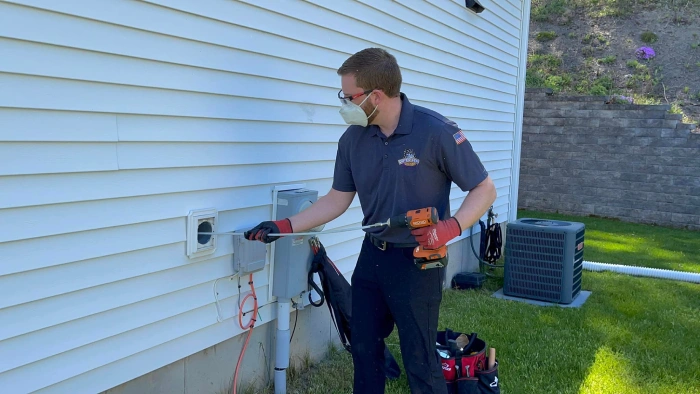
x=211, y=370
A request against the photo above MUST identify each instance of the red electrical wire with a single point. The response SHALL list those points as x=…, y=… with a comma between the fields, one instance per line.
x=250, y=326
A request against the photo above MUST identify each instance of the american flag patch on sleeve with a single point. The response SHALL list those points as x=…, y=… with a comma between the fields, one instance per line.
x=459, y=137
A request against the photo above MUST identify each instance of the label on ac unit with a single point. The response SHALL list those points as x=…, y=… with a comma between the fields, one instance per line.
x=298, y=241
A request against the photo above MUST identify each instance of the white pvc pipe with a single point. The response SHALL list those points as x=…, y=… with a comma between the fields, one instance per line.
x=282, y=346
x=643, y=271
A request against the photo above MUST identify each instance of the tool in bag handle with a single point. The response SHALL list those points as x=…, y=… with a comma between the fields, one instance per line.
x=472, y=338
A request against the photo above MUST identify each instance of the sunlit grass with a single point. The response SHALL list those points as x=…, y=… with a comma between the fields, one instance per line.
x=610, y=373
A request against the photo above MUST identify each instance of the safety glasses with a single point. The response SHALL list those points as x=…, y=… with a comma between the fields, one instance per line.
x=344, y=99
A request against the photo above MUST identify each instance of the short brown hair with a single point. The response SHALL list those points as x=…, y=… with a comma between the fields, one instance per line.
x=374, y=68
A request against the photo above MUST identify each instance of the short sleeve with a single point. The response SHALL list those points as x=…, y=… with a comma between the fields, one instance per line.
x=342, y=175
x=457, y=158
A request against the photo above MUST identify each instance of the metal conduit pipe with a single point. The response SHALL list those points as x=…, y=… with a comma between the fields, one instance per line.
x=643, y=271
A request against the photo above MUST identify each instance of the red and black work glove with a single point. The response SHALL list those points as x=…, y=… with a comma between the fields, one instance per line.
x=439, y=234
x=261, y=231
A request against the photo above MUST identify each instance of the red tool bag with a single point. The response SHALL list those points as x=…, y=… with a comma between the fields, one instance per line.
x=465, y=365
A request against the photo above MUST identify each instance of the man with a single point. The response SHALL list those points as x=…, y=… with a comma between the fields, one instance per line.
x=397, y=157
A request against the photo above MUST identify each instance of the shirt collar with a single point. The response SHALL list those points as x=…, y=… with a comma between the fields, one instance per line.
x=405, y=125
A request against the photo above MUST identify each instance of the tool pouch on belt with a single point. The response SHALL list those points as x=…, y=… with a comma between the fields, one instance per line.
x=488, y=379
x=465, y=369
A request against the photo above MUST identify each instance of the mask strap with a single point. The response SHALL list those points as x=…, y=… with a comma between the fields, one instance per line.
x=370, y=115
x=375, y=108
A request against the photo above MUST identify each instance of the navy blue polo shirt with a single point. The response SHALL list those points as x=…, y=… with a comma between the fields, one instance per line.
x=412, y=169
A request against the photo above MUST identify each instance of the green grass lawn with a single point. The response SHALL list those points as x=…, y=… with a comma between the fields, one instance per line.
x=633, y=335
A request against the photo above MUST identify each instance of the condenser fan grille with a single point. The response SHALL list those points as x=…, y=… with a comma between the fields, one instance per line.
x=578, y=264
x=544, y=260
x=536, y=263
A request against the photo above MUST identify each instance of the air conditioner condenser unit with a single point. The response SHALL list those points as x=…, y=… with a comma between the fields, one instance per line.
x=544, y=260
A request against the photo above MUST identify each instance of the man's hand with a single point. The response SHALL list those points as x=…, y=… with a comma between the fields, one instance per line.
x=437, y=235
x=261, y=231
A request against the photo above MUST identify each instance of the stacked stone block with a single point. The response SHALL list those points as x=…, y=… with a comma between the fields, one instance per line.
x=636, y=163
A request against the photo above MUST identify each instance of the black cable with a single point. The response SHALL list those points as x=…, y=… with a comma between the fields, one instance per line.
x=493, y=249
x=296, y=318
x=485, y=235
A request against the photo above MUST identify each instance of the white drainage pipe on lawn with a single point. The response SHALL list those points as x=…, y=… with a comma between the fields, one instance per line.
x=643, y=271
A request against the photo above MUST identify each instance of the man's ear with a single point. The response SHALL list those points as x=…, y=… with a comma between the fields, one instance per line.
x=378, y=97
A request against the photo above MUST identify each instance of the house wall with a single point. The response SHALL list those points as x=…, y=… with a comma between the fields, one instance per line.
x=118, y=118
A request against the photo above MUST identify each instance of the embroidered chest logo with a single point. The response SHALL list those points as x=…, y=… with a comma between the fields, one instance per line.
x=409, y=158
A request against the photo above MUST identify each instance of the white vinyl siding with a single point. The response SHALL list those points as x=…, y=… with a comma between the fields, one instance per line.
x=118, y=118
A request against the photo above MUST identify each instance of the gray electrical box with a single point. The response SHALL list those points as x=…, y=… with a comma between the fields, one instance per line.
x=248, y=256
x=292, y=253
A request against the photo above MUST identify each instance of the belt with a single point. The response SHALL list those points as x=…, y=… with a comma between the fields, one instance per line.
x=383, y=245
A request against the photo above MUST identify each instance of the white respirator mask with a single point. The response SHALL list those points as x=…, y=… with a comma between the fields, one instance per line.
x=353, y=114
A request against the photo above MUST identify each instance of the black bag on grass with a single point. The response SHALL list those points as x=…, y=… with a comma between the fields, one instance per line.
x=337, y=295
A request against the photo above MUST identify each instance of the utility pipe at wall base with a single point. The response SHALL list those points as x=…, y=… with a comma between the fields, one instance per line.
x=643, y=271
x=282, y=346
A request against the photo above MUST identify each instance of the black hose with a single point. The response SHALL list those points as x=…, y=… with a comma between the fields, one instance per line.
x=494, y=248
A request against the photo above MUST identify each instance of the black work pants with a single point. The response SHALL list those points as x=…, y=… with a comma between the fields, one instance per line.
x=388, y=289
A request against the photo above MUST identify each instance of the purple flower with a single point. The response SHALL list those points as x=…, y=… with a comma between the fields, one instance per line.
x=625, y=98
x=645, y=53
x=620, y=99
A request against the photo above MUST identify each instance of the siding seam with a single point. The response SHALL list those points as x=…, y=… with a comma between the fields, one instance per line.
x=435, y=35
x=324, y=27
x=497, y=4
x=467, y=21
x=130, y=56
x=227, y=95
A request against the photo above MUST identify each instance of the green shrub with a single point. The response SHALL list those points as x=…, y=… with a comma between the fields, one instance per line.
x=638, y=67
x=602, y=86
x=534, y=79
x=595, y=39
x=676, y=108
x=646, y=100
x=583, y=87
x=649, y=37
x=543, y=62
x=546, y=35
x=542, y=12
x=598, y=90
x=608, y=59
x=558, y=82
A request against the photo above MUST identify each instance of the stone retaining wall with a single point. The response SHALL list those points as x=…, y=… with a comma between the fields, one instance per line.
x=637, y=163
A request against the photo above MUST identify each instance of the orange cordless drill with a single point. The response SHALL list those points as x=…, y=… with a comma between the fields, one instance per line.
x=424, y=217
